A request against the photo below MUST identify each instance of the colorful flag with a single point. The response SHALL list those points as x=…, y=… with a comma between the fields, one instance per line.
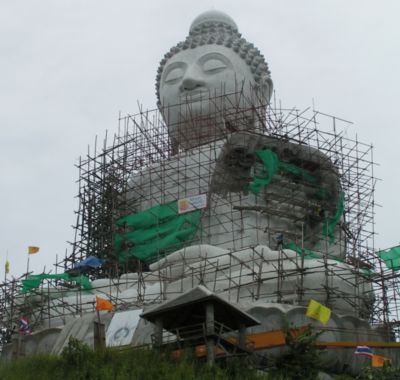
x=24, y=326
x=363, y=351
x=33, y=249
x=318, y=311
x=103, y=304
x=7, y=267
x=379, y=361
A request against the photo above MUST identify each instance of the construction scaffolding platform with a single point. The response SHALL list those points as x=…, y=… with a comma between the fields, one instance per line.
x=320, y=169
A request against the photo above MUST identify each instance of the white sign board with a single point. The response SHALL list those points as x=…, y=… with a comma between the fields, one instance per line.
x=122, y=327
x=197, y=202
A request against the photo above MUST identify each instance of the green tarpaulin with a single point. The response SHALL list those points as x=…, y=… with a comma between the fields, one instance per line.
x=331, y=222
x=323, y=194
x=270, y=161
x=308, y=254
x=299, y=172
x=272, y=165
x=150, y=217
x=391, y=257
x=155, y=231
x=34, y=281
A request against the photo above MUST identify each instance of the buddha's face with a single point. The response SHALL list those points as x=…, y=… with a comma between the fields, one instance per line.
x=193, y=76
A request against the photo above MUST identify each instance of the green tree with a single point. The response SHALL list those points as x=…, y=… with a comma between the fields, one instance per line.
x=301, y=358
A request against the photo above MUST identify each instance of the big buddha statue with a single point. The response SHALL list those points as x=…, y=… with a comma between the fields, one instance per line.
x=213, y=91
x=258, y=216
x=254, y=216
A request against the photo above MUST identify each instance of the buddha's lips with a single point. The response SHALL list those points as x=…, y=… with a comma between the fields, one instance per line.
x=194, y=96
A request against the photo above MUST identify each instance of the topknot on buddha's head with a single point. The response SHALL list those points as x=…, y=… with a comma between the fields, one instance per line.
x=213, y=16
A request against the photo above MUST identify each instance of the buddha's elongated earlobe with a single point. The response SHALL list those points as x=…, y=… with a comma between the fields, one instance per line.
x=266, y=88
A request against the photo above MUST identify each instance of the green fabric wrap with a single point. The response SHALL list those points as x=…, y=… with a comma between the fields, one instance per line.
x=391, y=257
x=308, y=254
x=299, y=172
x=150, y=217
x=34, y=281
x=272, y=165
x=155, y=231
x=331, y=222
x=271, y=162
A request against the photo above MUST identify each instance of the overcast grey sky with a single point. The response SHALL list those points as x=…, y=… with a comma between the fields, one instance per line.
x=68, y=67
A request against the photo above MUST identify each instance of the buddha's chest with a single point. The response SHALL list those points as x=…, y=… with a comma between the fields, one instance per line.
x=183, y=176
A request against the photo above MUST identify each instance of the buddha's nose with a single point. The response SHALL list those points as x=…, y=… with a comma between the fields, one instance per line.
x=192, y=80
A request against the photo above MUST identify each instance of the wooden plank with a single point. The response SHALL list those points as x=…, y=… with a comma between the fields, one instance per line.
x=267, y=339
x=277, y=338
x=355, y=344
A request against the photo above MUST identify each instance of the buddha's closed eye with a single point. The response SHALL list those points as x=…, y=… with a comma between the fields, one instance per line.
x=213, y=66
x=174, y=75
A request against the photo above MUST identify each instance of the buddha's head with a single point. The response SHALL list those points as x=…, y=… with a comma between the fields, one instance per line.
x=202, y=79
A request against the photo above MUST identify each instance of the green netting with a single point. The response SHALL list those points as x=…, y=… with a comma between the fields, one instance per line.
x=34, y=281
x=155, y=231
x=271, y=162
x=299, y=172
x=308, y=253
x=150, y=217
x=331, y=222
x=391, y=257
x=323, y=194
x=272, y=165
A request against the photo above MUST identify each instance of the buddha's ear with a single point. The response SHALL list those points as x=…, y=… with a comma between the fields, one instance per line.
x=266, y=87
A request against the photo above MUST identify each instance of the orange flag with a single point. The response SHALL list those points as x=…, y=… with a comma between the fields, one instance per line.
x=379, y=361
x=32, y=249
x=103, y=304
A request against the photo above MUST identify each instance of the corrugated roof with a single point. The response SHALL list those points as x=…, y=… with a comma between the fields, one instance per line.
x=189, y=309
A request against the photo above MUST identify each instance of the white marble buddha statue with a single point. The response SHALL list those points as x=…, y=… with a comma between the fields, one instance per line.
x=232, y=207
x=257, y=190
x=212, y=90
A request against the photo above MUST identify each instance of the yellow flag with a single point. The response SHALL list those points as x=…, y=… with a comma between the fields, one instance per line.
x=379, y=361
x=318, y=311
x=32, y=249
x=103, y=304
x=7, y=267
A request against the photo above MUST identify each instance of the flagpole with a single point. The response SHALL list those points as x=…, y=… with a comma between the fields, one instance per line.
x=98, y=343
x=27, y=266
x=5, y=270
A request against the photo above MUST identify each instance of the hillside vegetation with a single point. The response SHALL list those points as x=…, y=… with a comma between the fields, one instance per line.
x=78, y=362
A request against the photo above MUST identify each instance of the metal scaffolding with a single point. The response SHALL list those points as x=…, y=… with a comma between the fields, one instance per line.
x=141, y=163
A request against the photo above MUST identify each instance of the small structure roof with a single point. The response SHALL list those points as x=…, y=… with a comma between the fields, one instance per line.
x=189, y=309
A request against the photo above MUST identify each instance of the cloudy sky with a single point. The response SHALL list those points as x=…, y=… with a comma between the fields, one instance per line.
x=68, y=67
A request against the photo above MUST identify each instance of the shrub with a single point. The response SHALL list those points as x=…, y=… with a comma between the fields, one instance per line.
x=301, y=358
x=387, y=372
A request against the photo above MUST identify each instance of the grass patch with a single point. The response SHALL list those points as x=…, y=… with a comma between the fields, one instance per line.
x=79, y=362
